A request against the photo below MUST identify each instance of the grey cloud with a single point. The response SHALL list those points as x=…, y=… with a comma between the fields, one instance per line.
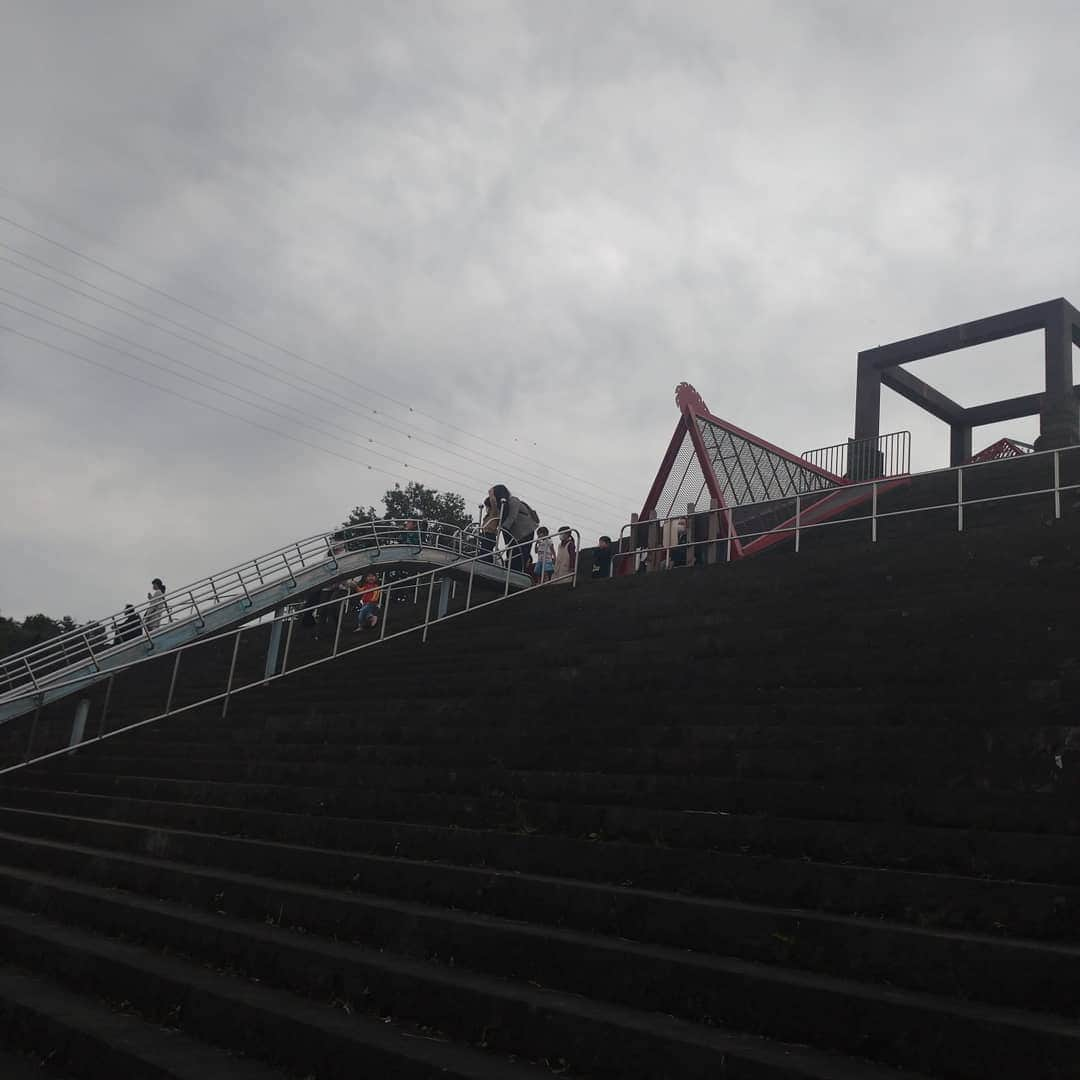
x=532, y=220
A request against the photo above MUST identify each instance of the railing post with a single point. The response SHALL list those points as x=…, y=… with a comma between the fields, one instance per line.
x=243, y=585
x=198, y=613
x=468, y=593
x=105, y=706
x=273, y=645
x=172, y=682
x=375, y=534
x=90, y=650
x=340, y=615
x=798, y=521
x=386, y=611
x=509, y=565
x=1057, y=483
x=873, y=515
x=232, y=671
x=78, y=725
x=712, y=531
x=427, y=613
x=30, y=672
x=288, y=642
x=33, y=728
x=301, y=555
x=288, y=566
x=960, y=498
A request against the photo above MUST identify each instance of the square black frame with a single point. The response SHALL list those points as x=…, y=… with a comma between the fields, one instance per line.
x=1056, y=406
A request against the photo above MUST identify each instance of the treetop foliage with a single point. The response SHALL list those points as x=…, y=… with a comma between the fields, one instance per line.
x=417, y=502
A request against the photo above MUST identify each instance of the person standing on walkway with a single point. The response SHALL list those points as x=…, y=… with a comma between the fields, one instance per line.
x=152, y=615
x=565, y=556
x=369, y=595
x=130, y=626
x=544, y=563
x=488, y=535
x=518, y=522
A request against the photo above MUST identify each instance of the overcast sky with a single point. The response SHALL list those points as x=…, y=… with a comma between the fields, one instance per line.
x=522, y=222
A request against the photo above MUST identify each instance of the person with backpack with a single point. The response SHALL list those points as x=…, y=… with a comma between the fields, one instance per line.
x=518, y=522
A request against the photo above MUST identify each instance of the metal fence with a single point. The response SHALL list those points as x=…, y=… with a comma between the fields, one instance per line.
x=710, y=534
x=865, y=459
x=39, y=665
x=284, y=626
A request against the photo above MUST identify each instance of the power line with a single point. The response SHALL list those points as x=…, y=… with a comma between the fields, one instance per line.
x=193, y=401
x=211, y=349
x=225, y=393
x=273, y=345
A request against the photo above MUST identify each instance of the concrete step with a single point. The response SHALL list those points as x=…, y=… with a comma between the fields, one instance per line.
x=952, y=902
x=994, y=810
x=82, y=1037
x=242, y=1016
x=992, y=969
x=468, y=1006
x=333, y=1042
x=321, y=816
x=1037, y=769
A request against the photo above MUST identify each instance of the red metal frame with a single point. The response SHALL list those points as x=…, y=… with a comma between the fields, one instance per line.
x=1003, y=448
x=691, y=408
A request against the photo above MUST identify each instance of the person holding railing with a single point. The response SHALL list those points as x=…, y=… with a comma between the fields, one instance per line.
x=518, y=522
x=369, y=595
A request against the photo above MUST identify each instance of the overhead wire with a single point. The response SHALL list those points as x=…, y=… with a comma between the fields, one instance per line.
x=582, y=500
x=281, y=348
x=436, y=471
x=370, y=414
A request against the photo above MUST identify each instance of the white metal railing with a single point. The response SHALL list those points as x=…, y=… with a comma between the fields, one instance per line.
x=424, y=578
x=629, y=549
x=41, y=664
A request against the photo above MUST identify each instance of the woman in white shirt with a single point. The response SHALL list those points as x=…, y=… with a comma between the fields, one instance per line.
x=152, y=615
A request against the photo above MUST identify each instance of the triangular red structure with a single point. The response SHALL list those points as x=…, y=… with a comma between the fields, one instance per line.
x=1004, y=448
x=709, y=458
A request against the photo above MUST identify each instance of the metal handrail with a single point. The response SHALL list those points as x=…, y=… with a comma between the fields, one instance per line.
x=959, y=504
x=342, y=603
x=192, y=602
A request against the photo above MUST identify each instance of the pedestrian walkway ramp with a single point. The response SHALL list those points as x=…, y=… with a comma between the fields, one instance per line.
x=242, y=594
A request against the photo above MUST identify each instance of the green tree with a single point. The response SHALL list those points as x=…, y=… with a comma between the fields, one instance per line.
x=33, y=630
x=418, y=502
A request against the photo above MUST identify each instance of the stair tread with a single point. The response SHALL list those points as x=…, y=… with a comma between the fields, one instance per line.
x=466, y=1062
x=161, y=1051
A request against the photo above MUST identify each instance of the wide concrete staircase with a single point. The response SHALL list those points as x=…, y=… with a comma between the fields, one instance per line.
x=811, y=817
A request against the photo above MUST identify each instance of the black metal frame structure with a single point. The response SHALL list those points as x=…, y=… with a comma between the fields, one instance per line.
x=1056, y=406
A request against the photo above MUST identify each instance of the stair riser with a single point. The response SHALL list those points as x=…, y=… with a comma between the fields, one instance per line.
x=958, y=903
x=327, y=822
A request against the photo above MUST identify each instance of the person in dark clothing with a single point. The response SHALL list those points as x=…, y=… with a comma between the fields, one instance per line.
x=517, y=521
x=130, y=626
x=602, y=558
